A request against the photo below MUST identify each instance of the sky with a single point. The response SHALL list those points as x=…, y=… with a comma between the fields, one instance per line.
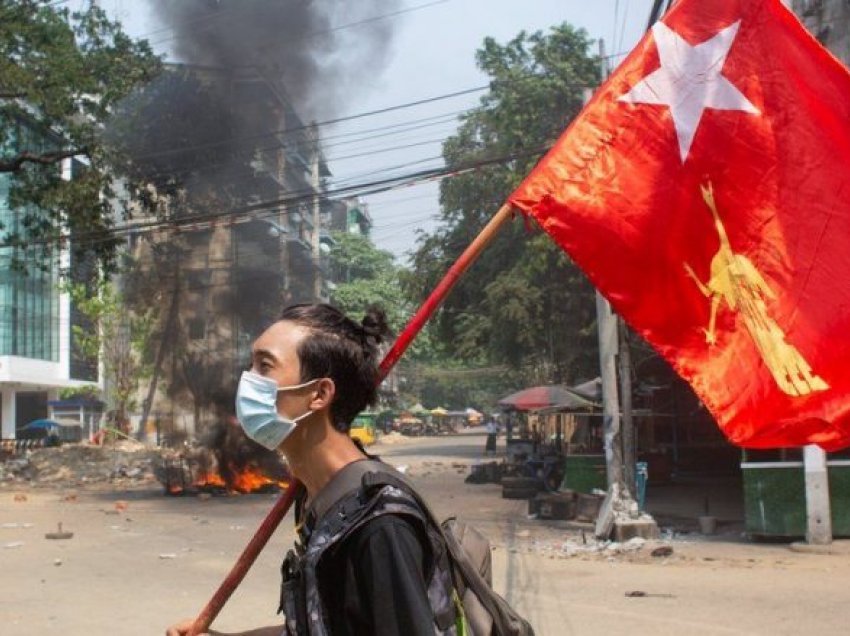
x=431, y=54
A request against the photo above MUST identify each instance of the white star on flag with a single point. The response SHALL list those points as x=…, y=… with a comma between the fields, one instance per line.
x=689, y=81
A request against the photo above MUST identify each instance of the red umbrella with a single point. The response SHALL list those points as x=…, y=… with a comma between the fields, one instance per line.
x=543, y=397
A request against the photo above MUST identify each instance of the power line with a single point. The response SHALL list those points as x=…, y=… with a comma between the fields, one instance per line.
x=327, y=122
x=171, y=27
x=382, y=204
x=316, y=125
x=427, y=142
x=623, y=26
x=283, y=144
x=283, y=205
x=254, y=178
x=342, y=26
x=286, y=147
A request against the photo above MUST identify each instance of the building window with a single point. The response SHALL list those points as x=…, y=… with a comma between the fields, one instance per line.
x=29, y=297
x=197, y=329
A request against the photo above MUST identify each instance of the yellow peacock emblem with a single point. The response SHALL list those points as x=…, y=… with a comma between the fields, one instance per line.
x=735, y=280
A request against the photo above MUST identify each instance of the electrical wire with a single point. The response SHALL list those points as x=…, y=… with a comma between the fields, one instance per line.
x=316, y=125
x=328, y=122
x=286, y=147
x=283, y=144
x=342, y=26
x=283, y=205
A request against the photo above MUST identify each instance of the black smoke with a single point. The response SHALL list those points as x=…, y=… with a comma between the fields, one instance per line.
x=321, y=50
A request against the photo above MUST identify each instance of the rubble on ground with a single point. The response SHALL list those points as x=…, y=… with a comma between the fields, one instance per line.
x=394, y=437
x=583, y=545
x=124, y=463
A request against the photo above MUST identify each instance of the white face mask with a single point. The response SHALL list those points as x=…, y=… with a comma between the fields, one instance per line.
x=256, y=409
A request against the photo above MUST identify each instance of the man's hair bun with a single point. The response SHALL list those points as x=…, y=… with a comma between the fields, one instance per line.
x=375, y=325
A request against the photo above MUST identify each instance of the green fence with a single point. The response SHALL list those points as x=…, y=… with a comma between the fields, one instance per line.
x=775, y=498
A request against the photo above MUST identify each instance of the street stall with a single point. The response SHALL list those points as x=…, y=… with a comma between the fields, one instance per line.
x=552, y=420
x=445, y=421
x=473, y=417
x=87, y=413
x=409, y=424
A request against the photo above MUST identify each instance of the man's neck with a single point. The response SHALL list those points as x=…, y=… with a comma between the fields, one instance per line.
x=316, y=452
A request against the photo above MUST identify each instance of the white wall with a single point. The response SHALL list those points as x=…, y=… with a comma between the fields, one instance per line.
x=7, y=414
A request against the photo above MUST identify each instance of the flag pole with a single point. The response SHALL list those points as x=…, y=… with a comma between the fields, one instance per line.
x=464, y=261
x=281, y=507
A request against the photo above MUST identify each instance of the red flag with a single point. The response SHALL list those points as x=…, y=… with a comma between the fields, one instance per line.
x=705, y=190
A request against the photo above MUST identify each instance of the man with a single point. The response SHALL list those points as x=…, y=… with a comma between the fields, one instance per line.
x=312, y=372
x=492, y=432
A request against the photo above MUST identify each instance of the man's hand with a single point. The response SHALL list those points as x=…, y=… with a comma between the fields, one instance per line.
x=182, y=628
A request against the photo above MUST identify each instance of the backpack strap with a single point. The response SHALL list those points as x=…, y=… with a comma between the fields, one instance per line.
x=470, y=575
x=365, y=475
x=345, y=482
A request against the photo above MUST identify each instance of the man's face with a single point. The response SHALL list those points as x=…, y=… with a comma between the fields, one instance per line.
x=274, y=355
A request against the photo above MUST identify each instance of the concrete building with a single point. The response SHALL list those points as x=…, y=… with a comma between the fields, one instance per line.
x=828, y=21
x=229, y=277
x=350, y=216
x=37, y=356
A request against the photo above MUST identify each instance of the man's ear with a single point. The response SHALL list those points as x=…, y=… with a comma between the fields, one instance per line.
x=325, y=392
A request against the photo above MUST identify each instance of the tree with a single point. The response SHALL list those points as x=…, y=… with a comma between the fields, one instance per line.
x=119, y=338
x=61, y=75
x=523, y=304
x=367, y=276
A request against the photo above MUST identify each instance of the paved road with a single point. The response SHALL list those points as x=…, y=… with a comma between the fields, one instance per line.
x=724, y=586
x=134, y=572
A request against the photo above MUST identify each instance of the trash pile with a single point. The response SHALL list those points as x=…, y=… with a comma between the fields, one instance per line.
x=394, y=437
x=587, y=546
x=124, y=463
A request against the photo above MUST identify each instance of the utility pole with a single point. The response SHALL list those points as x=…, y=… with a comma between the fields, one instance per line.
x=315, y=243
x=822, y=18
x=628, y=426
x=606, y=322
x=619, y=512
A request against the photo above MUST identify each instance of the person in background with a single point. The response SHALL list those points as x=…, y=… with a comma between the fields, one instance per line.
x=492, y=432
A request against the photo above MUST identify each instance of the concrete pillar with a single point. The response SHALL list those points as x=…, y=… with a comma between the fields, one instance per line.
x=64, y=323
x=818, y=512
x=607, y=326
x=7, y=414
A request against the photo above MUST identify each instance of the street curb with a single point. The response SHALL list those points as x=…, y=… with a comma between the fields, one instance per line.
x=834, y=548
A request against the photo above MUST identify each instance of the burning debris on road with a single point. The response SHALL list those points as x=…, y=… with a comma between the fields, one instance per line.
x=225, y=461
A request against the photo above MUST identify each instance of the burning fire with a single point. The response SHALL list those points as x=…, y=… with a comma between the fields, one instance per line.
x=226, y=462
x=246, y=480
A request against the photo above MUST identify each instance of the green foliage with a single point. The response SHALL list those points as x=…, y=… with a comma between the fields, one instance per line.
x=366, y=277
x=61, y=75
x=88, y=392
x=354, y=257
x=119, y=337
x=523, y=304
x=455, y=385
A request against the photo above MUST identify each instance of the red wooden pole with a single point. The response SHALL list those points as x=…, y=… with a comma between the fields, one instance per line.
x=470, y=254
x=278, y=512
x=246, y=560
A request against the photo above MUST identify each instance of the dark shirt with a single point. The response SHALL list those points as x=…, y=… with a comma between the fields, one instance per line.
x=374, y=583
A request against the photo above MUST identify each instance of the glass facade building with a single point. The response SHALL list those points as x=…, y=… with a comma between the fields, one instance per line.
x=29, y=295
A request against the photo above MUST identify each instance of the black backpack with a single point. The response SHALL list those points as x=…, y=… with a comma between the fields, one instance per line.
x=485, y=612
